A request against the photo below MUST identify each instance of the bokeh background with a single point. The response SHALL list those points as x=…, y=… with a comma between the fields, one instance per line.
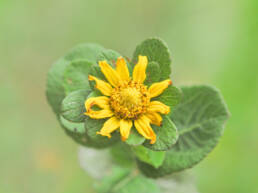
x=212, y=42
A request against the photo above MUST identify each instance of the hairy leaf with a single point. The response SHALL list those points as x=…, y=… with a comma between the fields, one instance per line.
x=73, y=107
x=200, y=119
x=171, y=97
x=135, y=138
x=88, y=52
x=95, y=71
x=72, y=126
x=167, y=135
x=109, y=55
x=156, y=50
x=152, y=73
x=76, y=76
x=154, y=158
x=117, y=175
x=76, y=131
x=92, y=126
x=122, y=155
x=55, y=88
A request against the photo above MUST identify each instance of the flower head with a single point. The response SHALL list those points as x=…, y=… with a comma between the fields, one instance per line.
x=127, y=101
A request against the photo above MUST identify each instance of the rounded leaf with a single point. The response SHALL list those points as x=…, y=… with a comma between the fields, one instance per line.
x=88, y=52
x=200, y=119
x=139, y=184
x=109, y=55
x=92, y=126
x=156, y=50
x=76, y=76
x=171, y=97
x=135, y=138
x=73, y=107
x=55, y=89
x=95, y=71
x=122, y=155
x=167, y=136
x=152, y=73
x=75, y=130
x=154, y=158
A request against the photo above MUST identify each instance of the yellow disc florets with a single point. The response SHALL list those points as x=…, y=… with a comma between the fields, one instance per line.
x=129, y=100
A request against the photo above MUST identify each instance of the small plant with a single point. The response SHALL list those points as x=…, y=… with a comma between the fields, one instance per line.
x=132, y=107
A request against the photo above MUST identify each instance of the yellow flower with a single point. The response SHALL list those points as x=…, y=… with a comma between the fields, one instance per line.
x=127, y=101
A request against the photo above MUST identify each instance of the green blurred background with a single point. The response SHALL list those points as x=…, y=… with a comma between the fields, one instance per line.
x=212, y=42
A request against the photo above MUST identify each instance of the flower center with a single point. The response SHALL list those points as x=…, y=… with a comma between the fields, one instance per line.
x=129, y=100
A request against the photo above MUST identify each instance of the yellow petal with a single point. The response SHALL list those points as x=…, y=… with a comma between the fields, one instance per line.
x=102, y=86
x=109, y=126
x=101, y=101
x=111, y=75
x=122, y=69
x=101, y=114
x=125, y=128
x=156, y=106
x=155, y=118
x=139, y=72
x=157, y=88
x=142, y=125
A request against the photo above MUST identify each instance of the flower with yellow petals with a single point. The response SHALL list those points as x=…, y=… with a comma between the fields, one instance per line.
x=127, y=100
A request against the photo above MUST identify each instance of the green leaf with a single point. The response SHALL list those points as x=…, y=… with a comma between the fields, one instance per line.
x=73, y=108
x=95, y=71
x=108, y=182
x=99, y=141
x=167, y=135
x=122, y=154
x=171, y=97
x=88, y=52
x=136, y=184
x=109, y=55
x=154, y=158
x=76, y=76
x=121, y=180
x=71, y=126
x=55, y=89
x=152, y=73
x=94, y=93
x=156, y=50
x=75, y=130
x=200, y=119
x=135, y=138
